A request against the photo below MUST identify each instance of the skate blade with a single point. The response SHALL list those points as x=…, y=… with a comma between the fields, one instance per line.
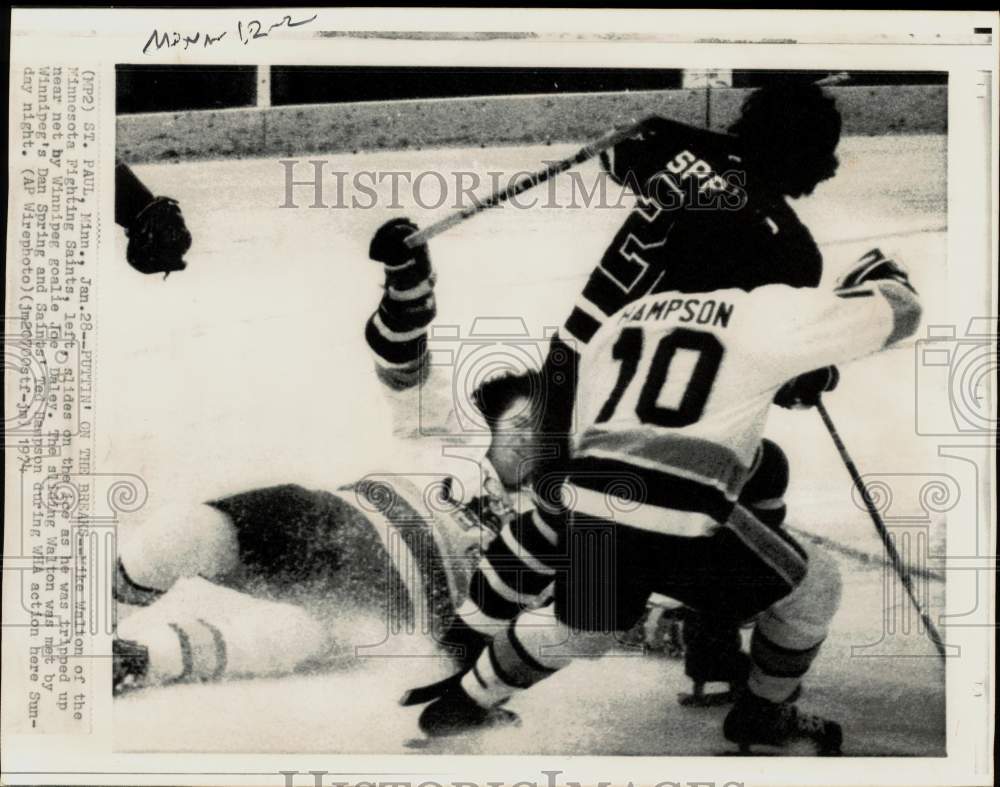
x=796, y=749
x=499, y=718
x=710, y=700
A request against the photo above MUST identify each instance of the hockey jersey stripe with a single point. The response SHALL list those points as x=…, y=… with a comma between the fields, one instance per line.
x=629, y=483
x=597, y=507
x=547, y=523
x=394, y=349
x=689, y=457
x=391, y=327
x=787, y=560
x=658, y=467
x=516, y=573
x=606, y=294
x=526, y=533
x=510, y=592
x=478, y=617
x=581, y=326
x=425, y=287
x=524, y=554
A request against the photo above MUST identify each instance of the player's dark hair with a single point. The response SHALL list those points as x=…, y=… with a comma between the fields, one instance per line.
x=788, y=132
x=495, y=396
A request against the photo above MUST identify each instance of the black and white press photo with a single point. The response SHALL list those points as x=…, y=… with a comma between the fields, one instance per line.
x=534, y=387
x=460, y=418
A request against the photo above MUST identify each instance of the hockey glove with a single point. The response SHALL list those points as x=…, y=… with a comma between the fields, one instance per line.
x=389, y=247
x=158, y=238
x=634, y=160
x=874, y=266
x=408, y=303
x=804, y=391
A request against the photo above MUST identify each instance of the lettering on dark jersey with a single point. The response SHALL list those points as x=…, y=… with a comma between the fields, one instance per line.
x=688, y=179
x=696, y=310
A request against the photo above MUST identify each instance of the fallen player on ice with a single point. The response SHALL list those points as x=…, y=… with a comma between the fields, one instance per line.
x=268, y=581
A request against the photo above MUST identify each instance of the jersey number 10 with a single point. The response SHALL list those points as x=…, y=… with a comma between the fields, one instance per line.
x=628, y=351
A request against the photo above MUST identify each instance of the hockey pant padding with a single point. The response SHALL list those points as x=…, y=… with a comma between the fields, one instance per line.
x=612, y=569
x=788, y=635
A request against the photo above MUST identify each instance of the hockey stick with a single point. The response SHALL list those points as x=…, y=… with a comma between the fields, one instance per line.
x=890, y=548
x=584, y=154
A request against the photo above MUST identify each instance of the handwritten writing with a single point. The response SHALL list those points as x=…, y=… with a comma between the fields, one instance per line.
x=246, y=31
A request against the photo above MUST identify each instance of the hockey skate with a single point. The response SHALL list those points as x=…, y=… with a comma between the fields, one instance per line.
x=130, y=662
x=712, y=654
x=757, y=721
x=455, y=713
x=466, y=644
x=658, y=631
x=734, y=671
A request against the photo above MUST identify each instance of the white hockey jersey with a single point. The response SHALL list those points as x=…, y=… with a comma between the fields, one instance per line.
x=678, y=388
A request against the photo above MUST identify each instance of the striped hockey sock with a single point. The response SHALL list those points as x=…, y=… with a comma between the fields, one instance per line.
x=777, y=671
x=505, y=667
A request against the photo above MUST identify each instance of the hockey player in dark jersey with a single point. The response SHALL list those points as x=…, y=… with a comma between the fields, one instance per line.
x=711, y=213
x=268, y=580
x=157, y=236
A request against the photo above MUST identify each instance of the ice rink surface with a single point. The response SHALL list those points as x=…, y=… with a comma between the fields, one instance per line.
x=249, y=368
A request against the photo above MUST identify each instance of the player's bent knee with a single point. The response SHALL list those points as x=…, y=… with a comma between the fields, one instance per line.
x=801, y=618
x=764, y=491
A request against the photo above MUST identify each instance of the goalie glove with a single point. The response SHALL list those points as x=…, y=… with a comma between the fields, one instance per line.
x=158, y=238
x=804, y=391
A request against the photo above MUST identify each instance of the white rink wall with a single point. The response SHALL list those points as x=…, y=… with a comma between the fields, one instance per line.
x=489, y=121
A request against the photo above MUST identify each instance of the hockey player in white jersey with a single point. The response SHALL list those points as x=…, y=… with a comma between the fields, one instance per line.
x=265, y=581
x=674, y=397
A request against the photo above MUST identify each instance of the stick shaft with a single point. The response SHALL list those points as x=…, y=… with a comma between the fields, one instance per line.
x=585, y=153
x=890, y=548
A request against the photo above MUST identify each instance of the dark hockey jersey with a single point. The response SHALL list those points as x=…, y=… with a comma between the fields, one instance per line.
x=702, y=221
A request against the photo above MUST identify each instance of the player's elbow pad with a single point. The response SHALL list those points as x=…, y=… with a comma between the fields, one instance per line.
x=906, y=310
